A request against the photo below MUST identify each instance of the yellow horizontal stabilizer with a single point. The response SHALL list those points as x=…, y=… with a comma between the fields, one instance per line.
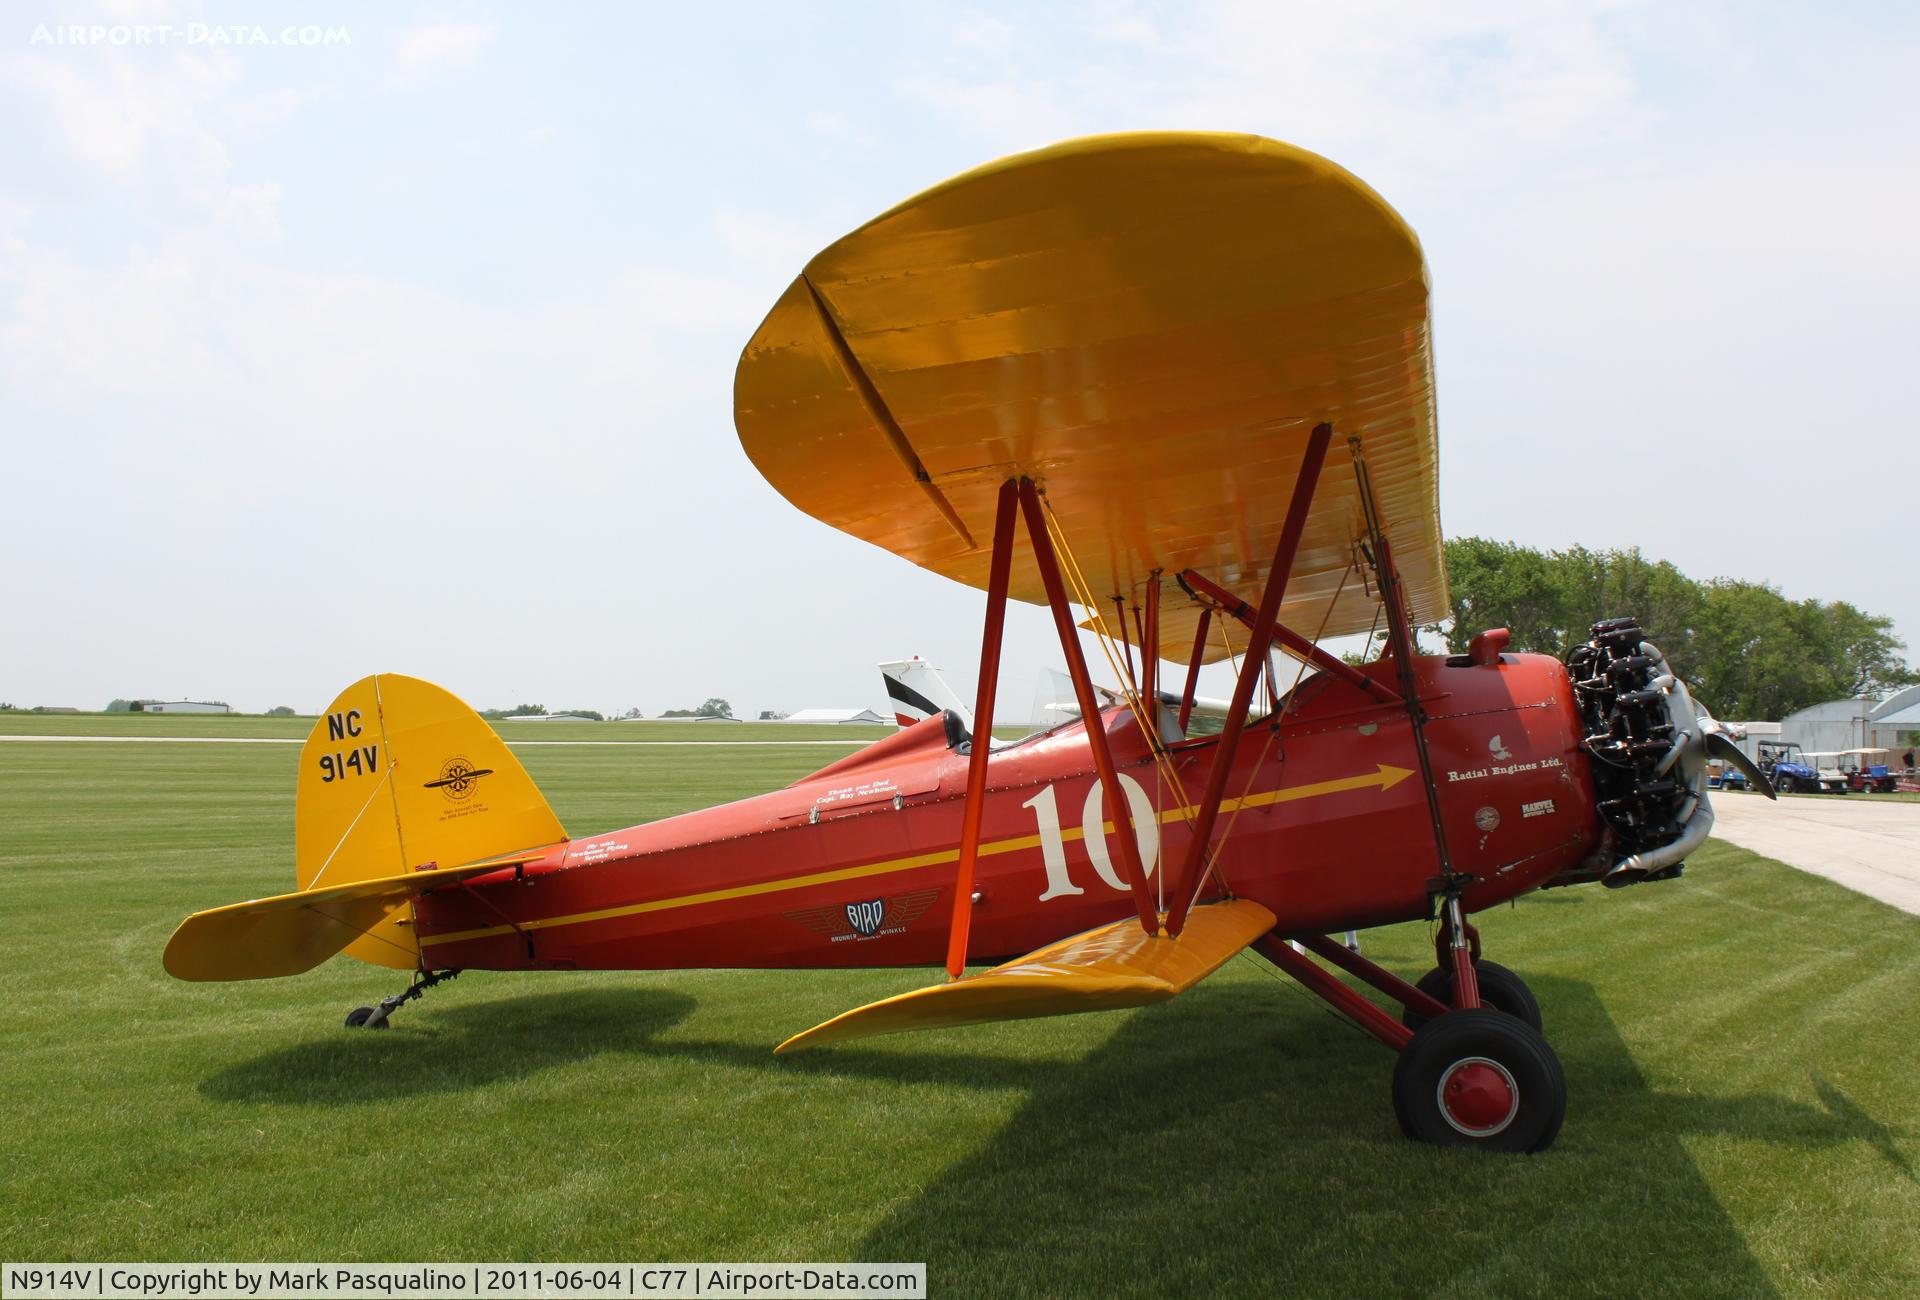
x=1116, y=966
x=291, y=933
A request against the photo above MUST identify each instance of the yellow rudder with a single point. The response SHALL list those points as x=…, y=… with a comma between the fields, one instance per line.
x=400, y=776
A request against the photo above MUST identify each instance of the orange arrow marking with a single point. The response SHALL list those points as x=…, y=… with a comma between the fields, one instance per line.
x=1383, y=777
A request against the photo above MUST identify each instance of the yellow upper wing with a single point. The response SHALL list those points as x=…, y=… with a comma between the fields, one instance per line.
x=1148, y=325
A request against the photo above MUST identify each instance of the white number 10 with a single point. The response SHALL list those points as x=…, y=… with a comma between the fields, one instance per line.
x=1093, y=822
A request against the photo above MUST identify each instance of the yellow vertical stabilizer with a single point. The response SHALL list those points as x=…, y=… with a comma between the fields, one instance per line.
x=396, y=776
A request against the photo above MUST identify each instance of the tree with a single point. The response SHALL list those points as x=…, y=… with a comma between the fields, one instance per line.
x=279, y=711
x=1550, y=599
x=120, y=706
x=591, y=714
x=1866, y=648
x=771, y=715
x=632, y=715
x=517, y=711
x=1499, y=584
x=712, y=708
x=1744, y=649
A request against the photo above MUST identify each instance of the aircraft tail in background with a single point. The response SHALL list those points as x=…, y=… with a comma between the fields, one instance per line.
x=916, y=690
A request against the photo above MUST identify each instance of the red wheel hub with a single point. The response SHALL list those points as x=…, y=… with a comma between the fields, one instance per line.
x=1478, y=1096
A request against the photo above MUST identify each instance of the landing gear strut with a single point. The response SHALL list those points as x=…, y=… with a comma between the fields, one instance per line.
x=1500, y=990
x=1473, y=1069
x=376, y=1017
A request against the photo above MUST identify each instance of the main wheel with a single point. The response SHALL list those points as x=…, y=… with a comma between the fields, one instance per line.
x=1479, y=1078
x=358, y=1017
x=1500, y=989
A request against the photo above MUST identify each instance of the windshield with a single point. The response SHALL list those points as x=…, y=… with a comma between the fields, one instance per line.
x=1053, y=705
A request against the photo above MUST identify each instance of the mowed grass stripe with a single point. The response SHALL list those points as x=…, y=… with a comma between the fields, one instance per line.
x=1743, y=1117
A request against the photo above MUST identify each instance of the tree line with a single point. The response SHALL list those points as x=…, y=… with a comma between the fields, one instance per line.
x=1745, y=650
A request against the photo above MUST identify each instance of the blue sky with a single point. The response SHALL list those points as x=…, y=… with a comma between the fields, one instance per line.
x=413, y=351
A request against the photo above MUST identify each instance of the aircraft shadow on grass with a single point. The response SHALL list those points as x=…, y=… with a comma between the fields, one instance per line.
x=1224, y=1136
x=457, y=1049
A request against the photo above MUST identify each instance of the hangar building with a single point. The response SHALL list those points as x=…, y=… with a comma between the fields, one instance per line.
x=836, y=715
x=1850, y=724
x=181, y=706
x=1895, y=719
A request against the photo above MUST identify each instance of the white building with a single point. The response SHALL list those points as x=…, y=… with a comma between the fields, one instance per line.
x=1757, y=734
x=1893, y=719
x=182, y=706
x=1852, y=724
x=837, y=715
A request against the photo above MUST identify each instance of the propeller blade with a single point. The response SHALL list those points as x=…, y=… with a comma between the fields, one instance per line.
x=1718, y=746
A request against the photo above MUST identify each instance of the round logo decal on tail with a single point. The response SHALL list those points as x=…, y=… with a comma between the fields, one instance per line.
x=458, y=778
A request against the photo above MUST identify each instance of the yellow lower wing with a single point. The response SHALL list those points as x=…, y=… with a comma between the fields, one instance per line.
x=1116, y=966
x=291, y=933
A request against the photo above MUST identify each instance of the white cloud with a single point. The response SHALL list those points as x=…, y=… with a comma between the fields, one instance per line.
x=1436, y=86
x=424, y=53
x=122, y=112
x=252, y=211
x=258, y=113
x=297, y=435
x=978, y=31
x=767, y=245
x=1121, y=23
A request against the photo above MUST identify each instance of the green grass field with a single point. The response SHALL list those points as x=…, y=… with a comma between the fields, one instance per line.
x=1739, y=1045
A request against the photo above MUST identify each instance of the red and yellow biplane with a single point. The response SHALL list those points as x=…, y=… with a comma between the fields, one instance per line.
x=1178, y=389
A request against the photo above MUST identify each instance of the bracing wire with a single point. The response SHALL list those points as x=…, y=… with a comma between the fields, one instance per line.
x=1136, y=704
x=1273, y=734
x=1146, y=720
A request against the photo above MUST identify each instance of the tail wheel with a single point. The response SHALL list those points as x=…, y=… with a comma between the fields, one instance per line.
x=358, y=1017
x=1480, y=1078
x=1500, y=989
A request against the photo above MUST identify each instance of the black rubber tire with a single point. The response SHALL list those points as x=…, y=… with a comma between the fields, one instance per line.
x=358, y=1017
x=1500, y=989
x=1516, y=1047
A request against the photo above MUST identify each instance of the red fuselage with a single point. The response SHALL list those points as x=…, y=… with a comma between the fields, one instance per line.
x=1326, y=822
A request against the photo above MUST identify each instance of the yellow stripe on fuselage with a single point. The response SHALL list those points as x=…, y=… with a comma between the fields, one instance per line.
x=1385, y=779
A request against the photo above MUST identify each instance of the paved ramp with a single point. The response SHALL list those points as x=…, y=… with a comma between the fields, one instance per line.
x=1868, y=845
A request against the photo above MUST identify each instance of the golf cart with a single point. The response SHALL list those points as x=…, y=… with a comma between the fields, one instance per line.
x=1864, y=773
x=1795, y=771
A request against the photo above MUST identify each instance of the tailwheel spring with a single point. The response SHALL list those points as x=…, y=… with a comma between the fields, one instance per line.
x=376, y=1017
